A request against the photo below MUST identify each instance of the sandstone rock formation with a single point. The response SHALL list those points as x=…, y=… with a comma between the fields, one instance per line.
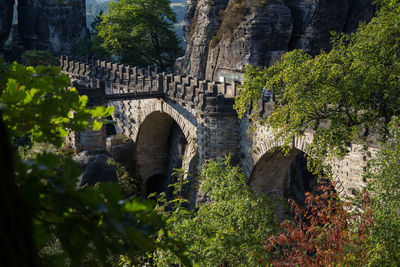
x=267, y=29
x=52, y=25
x=98, y=170
x=6, y=16
x=123, y=154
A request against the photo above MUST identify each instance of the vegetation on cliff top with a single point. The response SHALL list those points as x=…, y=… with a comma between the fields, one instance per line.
x=231, y=18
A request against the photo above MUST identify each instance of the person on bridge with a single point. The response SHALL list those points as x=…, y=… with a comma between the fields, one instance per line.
x=267, y=94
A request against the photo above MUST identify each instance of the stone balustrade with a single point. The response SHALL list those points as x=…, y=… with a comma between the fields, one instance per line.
x=129, y=82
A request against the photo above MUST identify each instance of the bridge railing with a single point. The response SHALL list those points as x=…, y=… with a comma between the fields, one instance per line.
x=134, y=77
x=119, y=79
x=125, y=81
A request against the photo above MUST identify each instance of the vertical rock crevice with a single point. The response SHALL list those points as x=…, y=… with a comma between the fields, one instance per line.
x=6, y=17
x=265, y=33
x=205, y=16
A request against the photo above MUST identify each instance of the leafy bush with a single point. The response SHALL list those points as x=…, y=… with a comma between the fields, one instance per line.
x=129, y=185
x=225, y=230
x=323, y=232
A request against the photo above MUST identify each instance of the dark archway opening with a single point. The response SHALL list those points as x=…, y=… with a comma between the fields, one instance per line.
x=299, y=179
x=285, y=175
x=110, y=127
x=156, y=184
x=160, y=147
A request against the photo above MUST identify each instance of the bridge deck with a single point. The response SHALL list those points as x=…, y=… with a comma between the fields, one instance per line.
x=98, y=95
x=127, y=96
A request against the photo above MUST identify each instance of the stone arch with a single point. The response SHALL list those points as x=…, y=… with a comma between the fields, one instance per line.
x=274, y=173
x=280, y=174
x=261, y=145
x=161, y=142
x=182, y=117
x=254, y=145
x=269, y=174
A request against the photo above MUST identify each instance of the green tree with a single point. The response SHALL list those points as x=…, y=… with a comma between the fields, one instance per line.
x=96, y=22
x=42, y=203
x=384, y=185
x=228, y=229
x=140, y=32
x=95, y=42
x=353, y=89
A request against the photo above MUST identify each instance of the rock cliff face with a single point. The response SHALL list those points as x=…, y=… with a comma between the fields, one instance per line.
x=219, y=45
x=52, y=25
x=6, y=16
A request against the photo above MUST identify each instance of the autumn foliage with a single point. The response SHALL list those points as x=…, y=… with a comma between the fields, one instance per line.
x=323, y=232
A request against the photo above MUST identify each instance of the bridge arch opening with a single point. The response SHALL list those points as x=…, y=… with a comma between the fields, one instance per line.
x=277, y=174
x=156, y=184
x=160, y=147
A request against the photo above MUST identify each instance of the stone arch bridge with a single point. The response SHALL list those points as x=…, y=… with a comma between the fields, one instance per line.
x=179, y=121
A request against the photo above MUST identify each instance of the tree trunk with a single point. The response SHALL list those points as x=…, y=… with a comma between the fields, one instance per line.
x=16, y=233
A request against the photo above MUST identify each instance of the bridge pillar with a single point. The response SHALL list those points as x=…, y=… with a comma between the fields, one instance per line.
x=218, y=135
x=91, y=140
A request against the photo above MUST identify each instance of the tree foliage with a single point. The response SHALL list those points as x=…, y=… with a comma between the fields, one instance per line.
x=140, y=32
x=70, y=225
x=384, y=187
x=95, y=41
x=352, y=90
x=344, y=96
x=35, y=102
x=93, y=9
x=224, y=231
x=323, y=232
